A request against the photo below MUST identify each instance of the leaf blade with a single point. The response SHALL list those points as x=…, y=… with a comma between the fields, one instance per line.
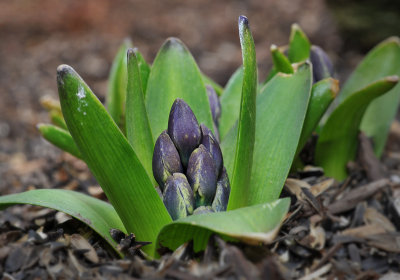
x=299, y=45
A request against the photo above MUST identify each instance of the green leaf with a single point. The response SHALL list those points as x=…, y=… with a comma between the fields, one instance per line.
x=337, y=143
x=111, y=159
x=60, y=138
x=230, y=103
x=382, y=61
x=208, y=81
x=115, y=100
x=247, y=120
x=322, y=95
x=299, y=45
x=174, y=74
x=254, y=225
x=95, y=213
x=57, y=119
x=144, y=69
x=137, y=124
x=281, y=62
x=281, y=108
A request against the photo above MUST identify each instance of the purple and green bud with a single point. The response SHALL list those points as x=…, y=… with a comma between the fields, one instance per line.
x=222, y=194
x=183, y=129
x=201, y=176
x=203, y=210
x=166, y=160
x=322, y=65
x=178, y=196
x=215, y=105
x=212, y=146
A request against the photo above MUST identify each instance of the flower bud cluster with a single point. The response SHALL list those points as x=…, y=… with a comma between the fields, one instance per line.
x=188, y=166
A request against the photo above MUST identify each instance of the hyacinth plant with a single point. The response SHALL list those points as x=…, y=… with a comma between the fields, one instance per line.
x=170, y=128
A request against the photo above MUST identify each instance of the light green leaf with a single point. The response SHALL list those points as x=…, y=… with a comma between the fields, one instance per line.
x=138, y=129
x=230, y=103
x=281, y=108
x=337, y=143
x=111, y=159
x=115, y=100
x=144, y=69
x=257, y=224
x=281, y=62
x=95, y=213
x=60, y=138
x=299, y=45
x=208, y=81
x=174, y=74
x=382, y=61
x=247, y=120
x=322, y=95
x=57, y=119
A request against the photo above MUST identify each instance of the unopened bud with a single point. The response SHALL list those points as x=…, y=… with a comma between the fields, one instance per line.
x=211, y=144
x=178, y=196
x=183, y=129
x=166, y=160
x=203, y=210
x=322, y=65
x=221, y=198
x=214, y=104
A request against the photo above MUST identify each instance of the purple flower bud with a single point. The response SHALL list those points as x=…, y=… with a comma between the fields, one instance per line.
x=183, y=129
x=203, y=210
x=211, y=144
x=201, y=176
x=178, y=196
x=166, y=160
x=322, y=65
x=214, y=104
x=222, y=194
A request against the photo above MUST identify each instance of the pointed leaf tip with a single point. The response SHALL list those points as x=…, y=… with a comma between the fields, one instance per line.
x=243, y=20
x=62, y=71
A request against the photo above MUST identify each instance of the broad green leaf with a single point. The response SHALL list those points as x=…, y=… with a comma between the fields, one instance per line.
x=322, y=95
x=247, y=120
x=270, y=75
x=337, y=143
x=230, y=103
x=281, y=62
x=137, y=124
x=60, y=138
x=144, y=69
x=257, y=224
x=299, y=45
x=382, y=61
x=95, y=213
x=208, y=81
x=57, y=119
x=281, y=108
x=174, y=74
x=117, y=86
x=111, y=159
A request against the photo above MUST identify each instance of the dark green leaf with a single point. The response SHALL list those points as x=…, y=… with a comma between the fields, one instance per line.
x=111, y=159
x=137, y=124
x=337, y=143
x=59, y=138
x=97, y=214
x=253, y=225
x=247, y=120
x=382, y=61
x=174, y=74
x=281, y=62
x=299, y=45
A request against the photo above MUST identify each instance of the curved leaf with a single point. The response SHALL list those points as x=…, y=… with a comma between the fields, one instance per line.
x=144, y=69
x=247, y=120
x=111, y=159
x=174, y=74
x=382, y=61
x=337, y=143
x=138, y=129
x=281, y=62
x=95, y=213
x=230, y=103
x=59, y=138
x=254, y=225
x=117, y=86
x=299, y=45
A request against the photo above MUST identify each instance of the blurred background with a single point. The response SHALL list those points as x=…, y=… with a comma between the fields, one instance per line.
x=38, y=35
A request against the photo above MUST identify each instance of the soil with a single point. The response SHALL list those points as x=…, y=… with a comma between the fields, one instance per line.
x=346, y=230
